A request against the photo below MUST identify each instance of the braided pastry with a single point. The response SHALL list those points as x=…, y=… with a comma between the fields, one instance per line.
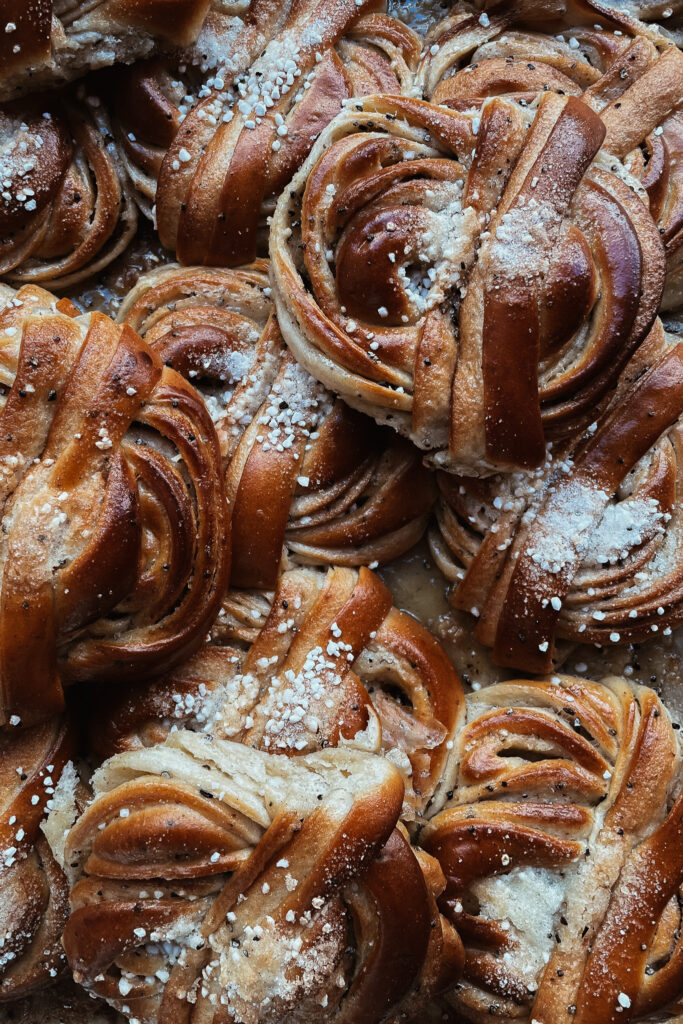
x=624, y=71
x=216, y=150
x=588, y=548
x=151, y=99
x=34, y=895
x=65, y=209
x=43, y=42
x=477, y=308
x=575, y=48
x=334, y=664
x=562, y=875
x=302, y=470
x=214, y=882
x=113, y=553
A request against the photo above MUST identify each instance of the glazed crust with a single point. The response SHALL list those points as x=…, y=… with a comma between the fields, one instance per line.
x=115, y=547
x=562, y=799
x=254, y=848
x=332, y=664
x=307, y=478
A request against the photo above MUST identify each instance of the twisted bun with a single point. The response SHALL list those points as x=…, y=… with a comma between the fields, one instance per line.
x=65, y=209
x=114, y=543
x=521, y=49
x=334, y=664
x=630, y=75
x=43, y=42
x=587, y=550
x=212, y=879
x=547, y=847
x=303, y=472
x=509, y=321
x=216, y=150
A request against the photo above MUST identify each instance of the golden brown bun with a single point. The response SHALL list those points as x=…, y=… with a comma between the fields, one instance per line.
x=563, y=869
x=65, y=210
x=625, y=70
x=586, y=550
x=214, y=879
x=333, y=663
x=45, y=42
x=460, y=276
x=115, y=547
x=308, y=479
x=214, y=150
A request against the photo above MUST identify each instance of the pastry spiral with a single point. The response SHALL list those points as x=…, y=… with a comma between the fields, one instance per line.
x=573, y=48
x=34, y=894
x=334, y=664
x=216, y=150
x=302, y=471
x=45, y=42
x=473, y=280
x=562, y=869
x=588, y=548
x=114, y=553
x=65, y=208
x=624, y=71
x=214, y=882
